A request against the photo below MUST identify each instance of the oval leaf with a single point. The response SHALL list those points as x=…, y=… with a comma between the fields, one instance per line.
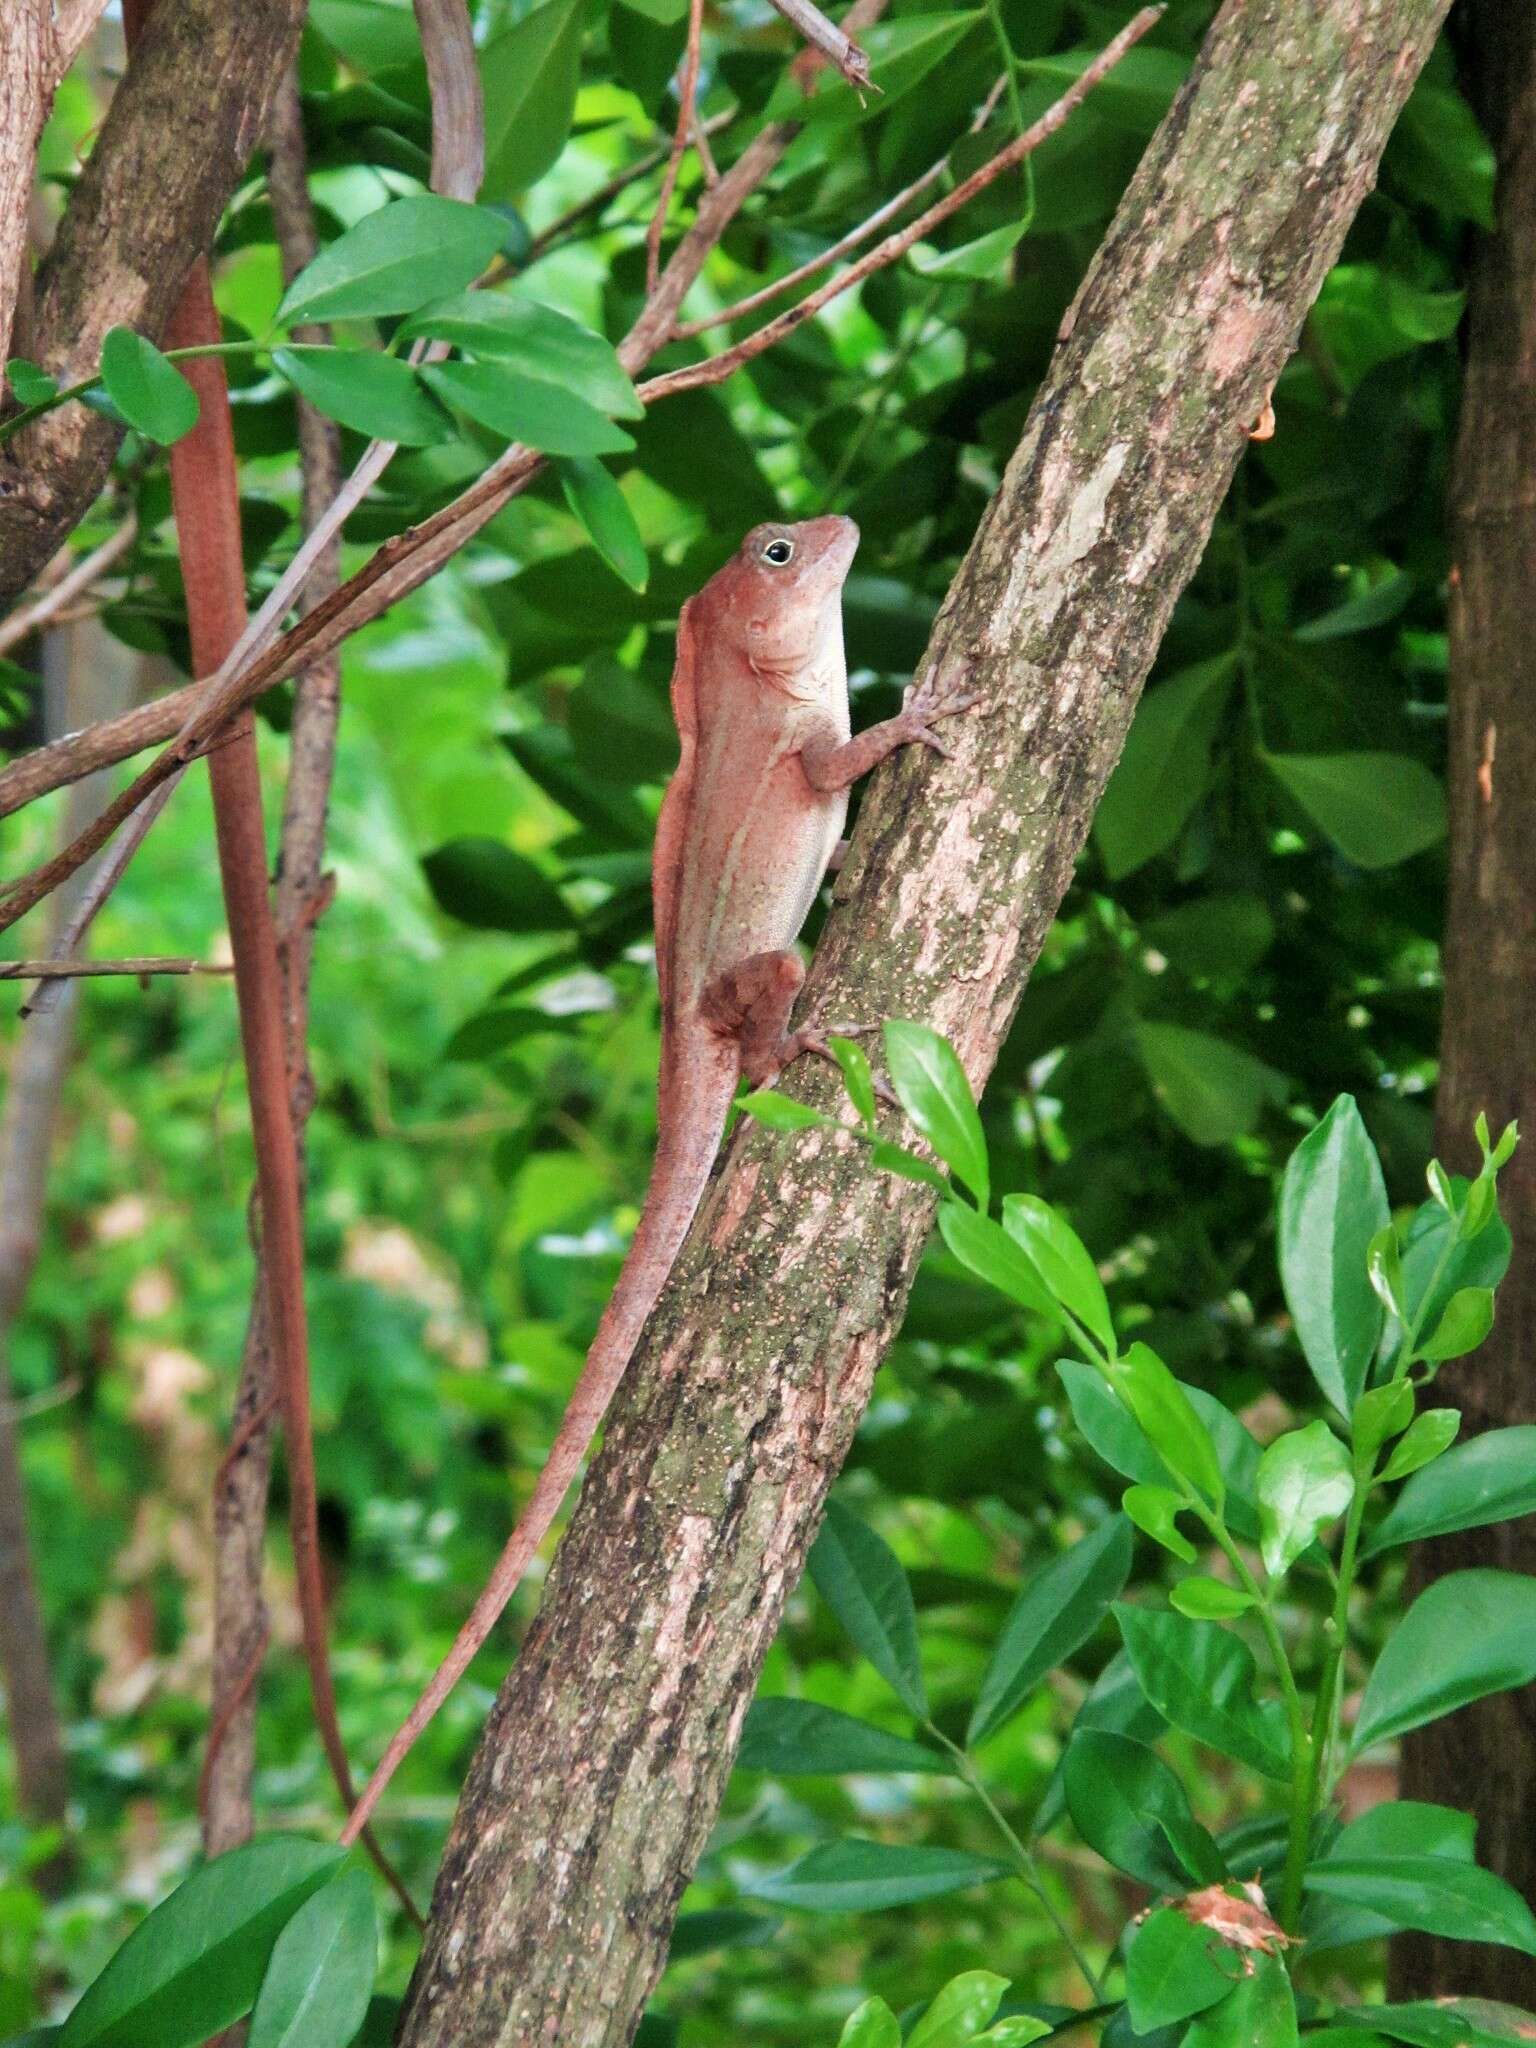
x=1204, y=1681
x=1430, y=1435
x=371, y=393
x=1165, y=765
x=871, y=2025
x=1260, y=2013
x=1130, y=1807
x=192, y=1967
x=603, y=510
x=1063, y=1262
x=529, y=75
x=861, y=1581
x=1054, y=1616
x=1333, y=1202
x=541, y=415
x=318, y=1983
x=147, y=389
x=1169, y=1420
x=1170, y=1973
x=960, y=2010
x=868, y=1877
x=1431, y=1893
x=1213, y=1091
x=485, y=884
x=987, y=1250
x=931, y=1086
x=394, y=260
x=799, y=1738
x=1306, y=1481
x=536, y=340
x=1490, y=1479
x=1209, y=1599
x=1467, y=1635
x=1377, y=809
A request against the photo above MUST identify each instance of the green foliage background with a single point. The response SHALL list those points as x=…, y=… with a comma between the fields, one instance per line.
x=1253, y=929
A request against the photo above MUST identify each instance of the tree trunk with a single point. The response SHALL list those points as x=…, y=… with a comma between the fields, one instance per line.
x=170, y=152
x=26, y=93
x=607, y=1752
x=1485, y=1756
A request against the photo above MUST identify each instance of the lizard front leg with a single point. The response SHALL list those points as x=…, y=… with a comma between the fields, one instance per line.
x=832, y=763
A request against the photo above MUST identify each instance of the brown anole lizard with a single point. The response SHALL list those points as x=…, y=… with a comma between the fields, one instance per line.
x=748, y=825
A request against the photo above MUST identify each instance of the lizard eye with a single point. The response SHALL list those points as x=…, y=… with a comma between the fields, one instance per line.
x=779, y=552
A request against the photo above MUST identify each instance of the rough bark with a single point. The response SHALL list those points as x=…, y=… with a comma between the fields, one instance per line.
x=174, y=143
x=607, y=1751
x=26, y=92
x=1485, y=1756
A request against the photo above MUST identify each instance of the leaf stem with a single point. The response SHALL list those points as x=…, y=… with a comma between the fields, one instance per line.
x=1024, y=1863
x=25, y=417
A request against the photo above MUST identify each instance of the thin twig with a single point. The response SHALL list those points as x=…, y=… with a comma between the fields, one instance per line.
x=686, y=329
x=685, y=122
x=829, y=39
x=65, y=969
x=717, y=368
x=29, y=618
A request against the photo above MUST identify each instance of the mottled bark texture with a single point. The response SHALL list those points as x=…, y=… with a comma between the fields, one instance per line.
x=26, y=93
x=175, y=140
x=607, y=1751
x=1485, y=1756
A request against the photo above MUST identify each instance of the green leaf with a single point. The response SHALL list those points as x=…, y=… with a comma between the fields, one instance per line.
x=1306, y=1481
x=798, y=1738
x=394, y=260
x=30, y=383
x=1119, y=1440
x=1469, y=1634
x=1397, y=1827
x=868, y=1877
x=1063, y=1263
x=777, y=1112
x=1054, y=1615
x=986, y=1249
x=1333, y=1202
x=147, y=389
x=871, y=2025
x=984, y=257
x=1204, y=1599
x=1204, y=1681
x=1492, y=1478
x=529, y=74
x=1216, y=937
x=1374, y=607
x=1466, y=1322
x=897, y=1159
x=1154, y=1510
x=374, y=394
x=193, y=1965
x=535, y=341
x=960, y=2010
x=1378, y=809
x=717, y=1927
x=858, y=1079
x=1169, y=1972
x=1131, y=1809
x=485, y=884
x=1164, y=768
x=1451, y=2023
x=526, y=409
x=1259, y=2013
x=1432, y=1433
x=1440, y=154
x=1213, y=1091
x=1169, y=1420
x=861, y=1581
x=320, y=1978
x=603, y=510
x=1431, y=1893
x=1379, y=1415
x=1479, y=1261
x=932, y=1088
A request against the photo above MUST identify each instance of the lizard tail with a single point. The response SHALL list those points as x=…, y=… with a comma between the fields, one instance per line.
x=697, y=1093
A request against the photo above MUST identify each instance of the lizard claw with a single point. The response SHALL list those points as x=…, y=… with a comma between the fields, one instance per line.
x=929, y=700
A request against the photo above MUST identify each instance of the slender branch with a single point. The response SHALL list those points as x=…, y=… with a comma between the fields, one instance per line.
x=73, y=24
x=28, y=619
x=685, y=330
x=829, y=39
x=65, y=969
x=716, y=369
x=685, y=123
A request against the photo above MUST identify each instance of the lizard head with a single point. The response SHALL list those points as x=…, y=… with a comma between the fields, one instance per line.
x=779, y=598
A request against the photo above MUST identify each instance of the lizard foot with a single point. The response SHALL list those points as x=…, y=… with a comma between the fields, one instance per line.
x=930, y=700
x=812, y=1037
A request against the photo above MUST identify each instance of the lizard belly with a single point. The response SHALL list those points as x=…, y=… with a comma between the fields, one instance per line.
x=770, y=863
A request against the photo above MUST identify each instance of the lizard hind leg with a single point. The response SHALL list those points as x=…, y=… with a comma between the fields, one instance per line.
x=752, y=1002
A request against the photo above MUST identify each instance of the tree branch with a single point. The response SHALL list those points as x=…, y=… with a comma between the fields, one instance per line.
x=614, y=1733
